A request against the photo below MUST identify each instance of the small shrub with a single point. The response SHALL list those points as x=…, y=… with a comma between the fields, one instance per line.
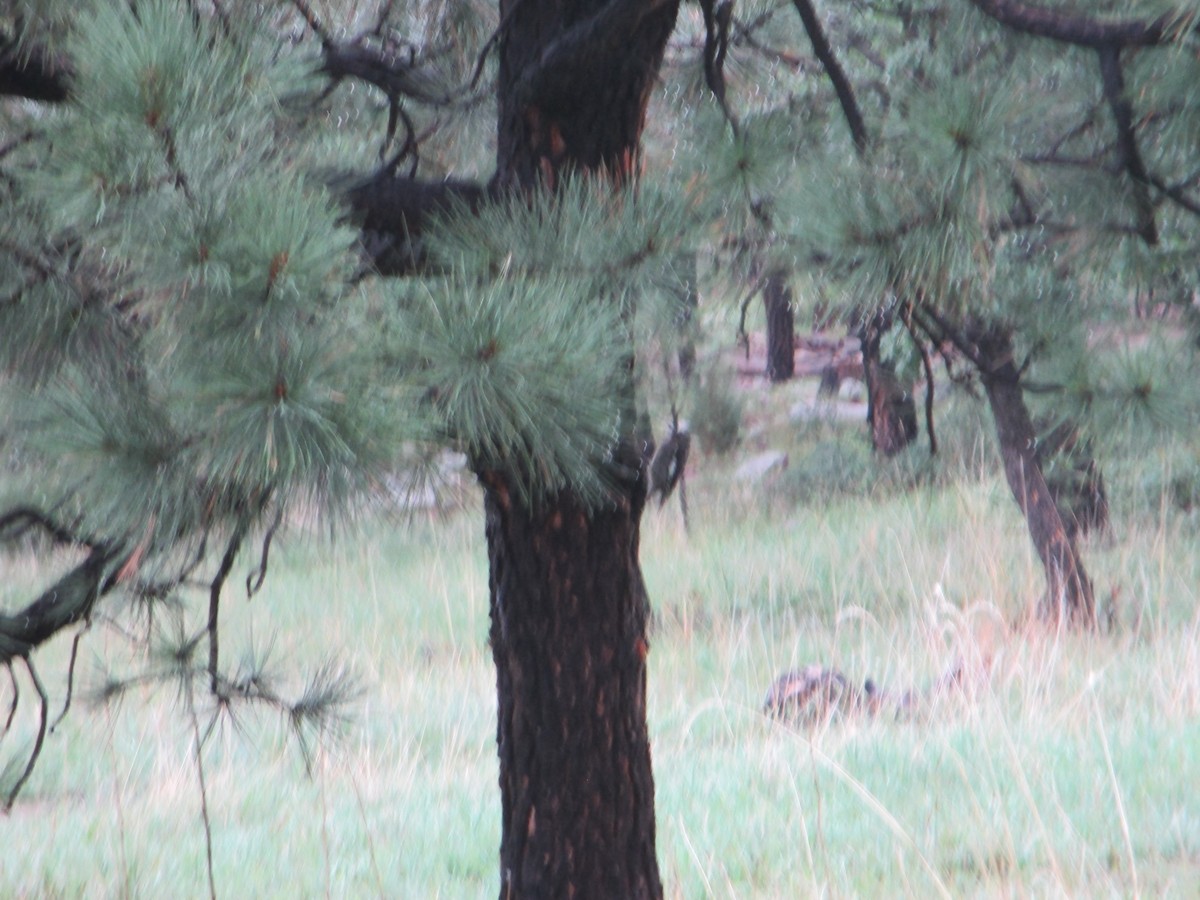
x=831, y=467
x=717, y=412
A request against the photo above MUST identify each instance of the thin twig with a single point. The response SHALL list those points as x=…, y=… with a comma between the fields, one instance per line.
x=255, y=579
x=716, y=44
x=198, y=748
x=41, y=735
x=87, y=623
x=313, y=22
x=214, y=598
x=491, y=42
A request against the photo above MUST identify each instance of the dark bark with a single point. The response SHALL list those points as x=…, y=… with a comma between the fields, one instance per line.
x=1069, y=591
x=393, y=212
x=1129, y=156
x=32, y=73
x=891, y=407
x=69, y=600
x=568, y=605
x=574, y=80
x=781, y=327
x=568, y=636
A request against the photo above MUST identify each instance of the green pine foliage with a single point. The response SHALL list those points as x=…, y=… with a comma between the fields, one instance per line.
x=975, y=197
x=187, y=338
x=519, y=364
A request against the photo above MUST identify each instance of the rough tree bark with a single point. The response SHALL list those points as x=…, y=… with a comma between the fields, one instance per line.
x=568, y=605
x=1069, y=591
x=568, y=634
x=781, y=327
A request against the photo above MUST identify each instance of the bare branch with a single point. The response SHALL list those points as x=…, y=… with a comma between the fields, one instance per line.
x=716, y=44
x=1128, y=154
x=1175, y=193
x=841, y=84
x=254, y=581
x=911, y=327
x=69, y=600
x=1082, y=31
x=214, y=597
x=12, y=707
x=71, y=673
x=41, y=735
x=586, y=48
x=21, y=519
x=394, y=76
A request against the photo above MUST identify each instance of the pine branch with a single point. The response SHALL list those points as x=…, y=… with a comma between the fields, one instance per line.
x=1128, y=154
x=69, y=600
x=41, y=735
x=22, y=519
x=1082, y=31
x=841, y=84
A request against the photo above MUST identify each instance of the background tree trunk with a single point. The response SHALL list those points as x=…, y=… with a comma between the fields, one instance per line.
x=568, y=604
x=1068, y=588
x=781, y=327
x=891, y=407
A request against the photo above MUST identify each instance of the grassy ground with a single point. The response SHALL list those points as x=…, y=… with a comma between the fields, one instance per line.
x=1069, y=765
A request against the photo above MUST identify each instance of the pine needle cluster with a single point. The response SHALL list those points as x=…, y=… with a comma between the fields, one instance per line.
x=522, y=352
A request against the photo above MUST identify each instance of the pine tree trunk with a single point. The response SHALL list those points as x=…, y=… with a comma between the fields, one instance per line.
x=568, y=635
x=568, y=605
x=781, y=327
x=891, y=408
x=1068, y=588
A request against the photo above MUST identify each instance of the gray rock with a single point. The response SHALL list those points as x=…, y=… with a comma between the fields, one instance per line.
x=759, y=466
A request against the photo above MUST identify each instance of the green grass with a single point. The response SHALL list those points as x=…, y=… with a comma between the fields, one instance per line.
x=1070, y=765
